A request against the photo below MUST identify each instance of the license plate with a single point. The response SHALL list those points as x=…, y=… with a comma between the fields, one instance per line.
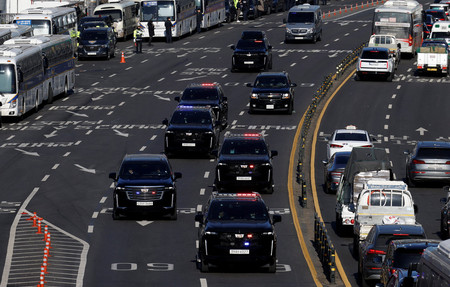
x=299, y=38
x=432, y=69
x=249, y=62
x=270, y=107
x=92, y=53
x=239, y=251
x=188, y=144
x=243, y=178
x=144, y=203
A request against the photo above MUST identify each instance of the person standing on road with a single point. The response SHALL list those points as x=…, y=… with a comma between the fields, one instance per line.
x=168, y=25
x=137, y=36
x=238, y=4
x=151, y=31
x=199, y=20
x=245, y=8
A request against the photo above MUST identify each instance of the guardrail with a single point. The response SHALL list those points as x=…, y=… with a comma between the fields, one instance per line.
x=324, y=248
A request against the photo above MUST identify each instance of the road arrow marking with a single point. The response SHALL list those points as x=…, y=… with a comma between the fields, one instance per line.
x=82, y=168
x=161, y=98
x=119, y=133
x=77, y=114
x=421, y=131
x=190, y=79
x=27, y=152
x=98, y=98
x=144, y=222
x=52, y=134
x=333, y=55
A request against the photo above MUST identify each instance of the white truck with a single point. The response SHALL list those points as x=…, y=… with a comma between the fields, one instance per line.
x=432, y=59
x=363, y=165
x=387, y=41
x=382, y=202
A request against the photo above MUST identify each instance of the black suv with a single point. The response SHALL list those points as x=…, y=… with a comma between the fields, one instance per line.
x=236, y=229
x=206, y=94
x=145, y=185
x=251, y=54
x=244, y=162
x=445, y=214
x=272, y=92
x=191, y=130
x=97, y=42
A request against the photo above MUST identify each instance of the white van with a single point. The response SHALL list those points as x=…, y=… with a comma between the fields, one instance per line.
x=441, y=30
x=304, y=22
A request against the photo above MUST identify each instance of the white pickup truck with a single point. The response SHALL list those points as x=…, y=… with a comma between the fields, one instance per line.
x=432, y=59
x=382, y=202
x=387, y=41
x=375, y=61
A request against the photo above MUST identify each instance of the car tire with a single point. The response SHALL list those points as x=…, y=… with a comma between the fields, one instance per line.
x=410, y=182
x=390, y=77
x=272, y=267
x=357, y=77
x=270, y=63
x=314, y=39
x=115, y=213
x=203, y=266
x=173, y=215
x=291, y=109
x=339, y=226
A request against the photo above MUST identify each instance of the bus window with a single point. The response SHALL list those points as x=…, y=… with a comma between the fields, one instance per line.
x=41, y=27
x=115, y=14
x=7, y=79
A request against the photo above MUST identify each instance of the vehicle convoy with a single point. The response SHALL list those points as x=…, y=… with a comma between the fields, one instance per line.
x=145, y=185
x=236, y=228
x=382, y=202
x=375, y=61
x=363, y=165
x=387, y=41
x=433, y=59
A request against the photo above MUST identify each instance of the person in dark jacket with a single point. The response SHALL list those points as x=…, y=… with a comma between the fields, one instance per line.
x=199, y=20
x=168, y=25
x=245, y=7
x=151, y=31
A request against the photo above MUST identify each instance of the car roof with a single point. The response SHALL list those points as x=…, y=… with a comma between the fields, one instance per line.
x=376, y=49
x=247, y=196
x=193, y=108
x=96, y=28
x=203, y=85
x=350, y=131
x=399, y=228
x=251, y=135
x=435, y=144
x=267, y=74
x=145, y=156
x=415, y=243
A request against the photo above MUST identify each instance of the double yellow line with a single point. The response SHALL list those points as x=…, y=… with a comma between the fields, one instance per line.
x=292, y=200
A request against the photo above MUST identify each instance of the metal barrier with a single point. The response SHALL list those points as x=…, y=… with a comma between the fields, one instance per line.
x=324, y=248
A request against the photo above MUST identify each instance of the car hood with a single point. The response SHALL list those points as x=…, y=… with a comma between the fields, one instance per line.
x=270, y=90
x=93, y=42
x=237, y=226
x=254, y=50
x=294, y=25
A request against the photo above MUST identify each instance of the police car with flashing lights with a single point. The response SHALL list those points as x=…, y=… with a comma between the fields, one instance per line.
x=236, y=228
x=346, y=139
x=191, y=129
x=244, y=163
x=206, y=94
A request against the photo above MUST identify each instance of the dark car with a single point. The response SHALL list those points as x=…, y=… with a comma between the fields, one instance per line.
x=251, y=54
x=428, y=161
x=96, y=24
x=145, y=185
x=333, y=169
x=97, y=42
x=373, y=250
x=445, y=215
x=272, y=92
x=236, y=229
x=245, y=163
x=253, y=35
x=206, y=94
x=401, y=253
x=105, y=19
x=437, y=14
x=191, y=129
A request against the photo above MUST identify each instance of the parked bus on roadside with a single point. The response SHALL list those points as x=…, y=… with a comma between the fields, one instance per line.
x=181, y=13
x=124, y=15
x=213, y=12
x=17, y=30
x=402, y=19
x=5, y=34
x=58, y=63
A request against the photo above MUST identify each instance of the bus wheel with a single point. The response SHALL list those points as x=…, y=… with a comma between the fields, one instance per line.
x=66, y=89
x=50, y=95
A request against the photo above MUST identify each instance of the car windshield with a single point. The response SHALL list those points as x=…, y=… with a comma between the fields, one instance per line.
x=383, y=240
x=301, y=17
x=375, y=54
x=434, y=44
x=437, y=14
x=196, y=94
x=93, y=35
x=350, y=137
x=258, y=35
x=144, y=170
x=191, y=117
x=271, y=82
x=404, y=256
x=244, y=146
x=441, y=35
x=237, y=210
x=434, y=153
x=250, y=45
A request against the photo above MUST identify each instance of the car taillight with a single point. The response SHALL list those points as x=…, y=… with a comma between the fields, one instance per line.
x=393, y=270
x=369, y=145
x=448, y=162
x=418, y=161
x=251, y=166
x=335, y=146
x=374, y=251
x=410, y=41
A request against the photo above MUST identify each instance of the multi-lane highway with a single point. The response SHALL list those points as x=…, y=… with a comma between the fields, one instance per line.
x=56, y=162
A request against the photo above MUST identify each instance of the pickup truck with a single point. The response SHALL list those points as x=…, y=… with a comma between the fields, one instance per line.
x=432, y=59
x=387, y=41
x=382, y=202
x=375, y=61
x=363, y=165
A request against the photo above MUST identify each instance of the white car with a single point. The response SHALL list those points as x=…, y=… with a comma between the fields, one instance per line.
x=346, y=139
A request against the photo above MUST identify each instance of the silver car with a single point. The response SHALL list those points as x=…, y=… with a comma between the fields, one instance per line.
x=428, y=161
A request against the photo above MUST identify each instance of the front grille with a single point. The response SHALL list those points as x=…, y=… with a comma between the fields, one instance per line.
x=274, y=96
x=144, y=193
x=232, y=241
x=299, y=31
x=92, y=48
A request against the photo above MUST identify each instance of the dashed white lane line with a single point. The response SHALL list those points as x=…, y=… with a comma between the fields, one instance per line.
x=55, y=166
x=202, y=191
x=95, y=214
x=206, y=174
x=203, y=282
x=110, y=113
x=390, y=106
x=234, y=122
x=128, y=68
x=387, y=151
x=293, y=64
x=199, y=208
x=121, y=104
x=88, y=132
x=143, y=148
x=112, y=75
x=188, y=64
x=388, y=117
x=10, y=138
x=153, y=137
x=398, y=87
x=45, y=177
x=241, y=113
x=160, y=80
x=394, y=96
x=386, y=127
x=95, y=84
x=66, y=154
x=103, y=200
x=90, y=228
x=386, y=139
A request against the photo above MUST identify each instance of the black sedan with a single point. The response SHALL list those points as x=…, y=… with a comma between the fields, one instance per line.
x=272, y=92
x=251, y=54
x=333, y=169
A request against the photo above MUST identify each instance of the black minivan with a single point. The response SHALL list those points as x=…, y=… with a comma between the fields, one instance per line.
x=97, y=42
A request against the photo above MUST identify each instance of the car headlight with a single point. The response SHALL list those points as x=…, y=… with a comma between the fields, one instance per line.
x=119, y=188
x=254, y=96
x=13, y=104
x=211, y=233
x=267, y=233
x=288, y=30
x=221, y=164
x=286, y=96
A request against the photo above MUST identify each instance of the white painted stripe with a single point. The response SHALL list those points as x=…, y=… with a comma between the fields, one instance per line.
x=95, y=84
x=188, y=64
x=55, y=166
x=103, y=199
x=153, y=137
x=293, y=64
x=203, y=282
x=143, y=148
x=45, y=177
x=160, y=80
x=241, y=113
x=10, y=138
x=38, y=117
x=121, y=104
x=202, y=191
x=90, y=228
x=173, y=72
x=386, y=127
x=398, y=87
x=143, y=61
x=199, y=208
x=89, y=132
x=387, y=151
x=206, y=174
x=390, y=106
x=394, y=96
x=110, y=113
x=386, y=139
x=112, y=75
x=388, y=117
x=66, y=154
x=234, y=122
x=126, y=69
x=95, y=214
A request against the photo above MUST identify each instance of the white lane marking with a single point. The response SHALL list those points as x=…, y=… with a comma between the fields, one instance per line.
x=103, y=199
x=203, y=282
x=160, y=80
x=386, y=127
x=121, y=104
x=45, y=177
x=293, y=64
x=394, y=96
x=202, y=191
x=188, y=64
x=112, y=75
x=10, y=138
x=206, y=174
x=398, y=87
x=241, y=113
x=126, y=69
x=55, y=166
x=89, y=132
x=304, y=57
x=143, y=148
x=387, y=151
x=90, y=228
x=66, y=154
x=153, y=137
x=95, y=214
x=390, y=106
x=386, y=139
x=199, y=208
x=234, y=122
x=387, y=117
x=95, y=84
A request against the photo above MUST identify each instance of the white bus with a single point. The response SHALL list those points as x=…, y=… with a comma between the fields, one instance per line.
x=17, y=30
x=48, y=21
x=181, y=12
x=402, y=19
x=213, y=12
x=58, y=63
x=5, y=34
x=21, y=79
x=124, y=15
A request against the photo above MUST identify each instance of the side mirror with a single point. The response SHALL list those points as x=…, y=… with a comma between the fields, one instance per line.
x=249, y=85
x=199, y=217
x=165, y=122
x=177, y=99
x=177, y=175
x=273, y=153
x=406, y=152
x=293, y=85
x=276, y=218
x=113, y=175
x=324, y=162
x=232, y=47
